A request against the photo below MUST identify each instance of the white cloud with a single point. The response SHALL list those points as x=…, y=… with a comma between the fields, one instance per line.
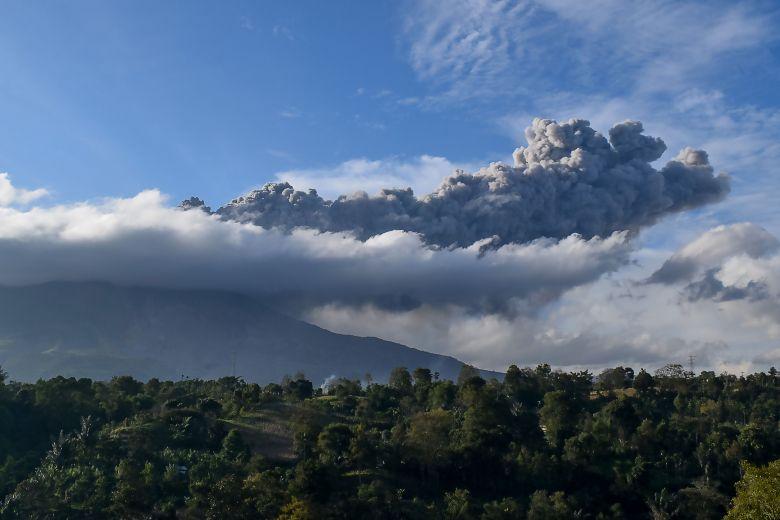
x=140, y=240
x=713, y=248
x=665, y=64
x=614, y=320
x=741, y=274
x=495, y=341
x=423, y=174
x=482, y=48
x=543, y=301
x=661, y=45
x=10, y=195
x=465, y=45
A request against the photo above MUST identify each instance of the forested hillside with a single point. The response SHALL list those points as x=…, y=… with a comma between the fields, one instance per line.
x=541, y=444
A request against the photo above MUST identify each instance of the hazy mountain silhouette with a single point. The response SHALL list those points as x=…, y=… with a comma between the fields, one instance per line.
x=99, y=330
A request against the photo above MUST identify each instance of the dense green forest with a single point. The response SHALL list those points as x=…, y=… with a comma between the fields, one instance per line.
x=541, y=444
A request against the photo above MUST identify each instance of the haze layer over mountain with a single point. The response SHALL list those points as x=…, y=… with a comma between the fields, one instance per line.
x=100, y=330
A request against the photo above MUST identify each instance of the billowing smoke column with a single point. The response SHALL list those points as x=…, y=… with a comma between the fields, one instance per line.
x=569, y=179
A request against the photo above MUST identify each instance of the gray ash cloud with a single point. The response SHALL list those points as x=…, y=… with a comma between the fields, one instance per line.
x=194, y=203
x=569, y=179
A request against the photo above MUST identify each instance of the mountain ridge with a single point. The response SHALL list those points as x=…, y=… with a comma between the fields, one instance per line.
x=99, y=330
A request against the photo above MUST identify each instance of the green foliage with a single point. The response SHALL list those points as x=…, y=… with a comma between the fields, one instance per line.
x=643, y=381
x=615, y=378
x=428, y=440
x=333, y=443
x=504, y=509
x=758, y=493
x=298, y=510
x=458, y=505
x=558, y=416
x=542, y=444
x=467, y=372
x=442, y=394
x=234, y=447
x=298, y=389
x=400, y=380
x=550, y=506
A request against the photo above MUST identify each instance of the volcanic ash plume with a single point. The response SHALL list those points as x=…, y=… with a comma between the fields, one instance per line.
x=569, y=179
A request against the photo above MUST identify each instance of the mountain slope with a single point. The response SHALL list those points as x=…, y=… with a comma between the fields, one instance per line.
x=100, y=330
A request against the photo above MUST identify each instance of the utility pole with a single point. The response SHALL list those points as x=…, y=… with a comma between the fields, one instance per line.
x=691, y=358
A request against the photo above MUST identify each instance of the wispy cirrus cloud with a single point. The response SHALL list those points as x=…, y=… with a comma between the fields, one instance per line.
x=672, y=65
x=465, y=47
x=489, y=49
x=662, y=46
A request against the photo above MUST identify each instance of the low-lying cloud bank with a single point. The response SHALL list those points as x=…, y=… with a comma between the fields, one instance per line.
x=717, y=298
x=142, y=240
x=736, y=267
x=490, y=340
x=569, y=179
x=713, y=248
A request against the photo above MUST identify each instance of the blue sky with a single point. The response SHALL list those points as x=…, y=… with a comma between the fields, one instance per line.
x=108, y=99
x=213, y=98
